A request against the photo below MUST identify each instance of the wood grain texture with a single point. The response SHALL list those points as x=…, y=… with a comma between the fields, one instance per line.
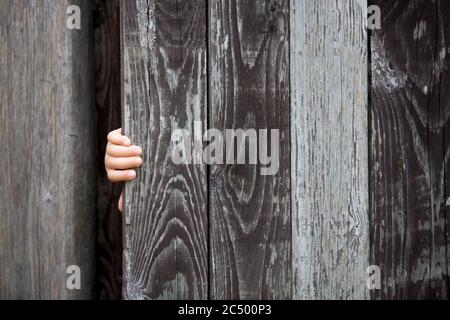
x=329, y=130
x=250, y=227
x=410, y=149
x=164, y=88
x=47, y=171
x=109, y=219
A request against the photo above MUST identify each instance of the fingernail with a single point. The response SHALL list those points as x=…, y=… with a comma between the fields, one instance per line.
x=138, y=150
x=127, y=141
x=132, y=174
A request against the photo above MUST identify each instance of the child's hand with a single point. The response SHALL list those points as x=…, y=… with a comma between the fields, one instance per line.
x=121, y=158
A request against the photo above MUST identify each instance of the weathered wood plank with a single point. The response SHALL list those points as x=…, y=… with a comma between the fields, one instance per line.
x=109, y=220
x=410, y=121
x=47, y=171
x=164, y=88
x=250, y=227
x=329, y=130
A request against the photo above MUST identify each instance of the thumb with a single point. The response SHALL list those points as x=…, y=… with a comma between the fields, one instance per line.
x=120, y=203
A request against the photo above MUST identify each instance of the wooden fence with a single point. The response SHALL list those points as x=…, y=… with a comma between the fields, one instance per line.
x=364, y=125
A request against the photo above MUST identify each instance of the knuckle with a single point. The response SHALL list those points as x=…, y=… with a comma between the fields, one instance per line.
x=111, y=149
x=109, y=162
x=113, y=135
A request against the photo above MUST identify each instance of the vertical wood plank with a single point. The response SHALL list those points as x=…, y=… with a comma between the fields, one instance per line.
x=164, y=88
x=250, y=223
x=109, y=219
x=329, y=130
x=47, y=171
x=410, y=149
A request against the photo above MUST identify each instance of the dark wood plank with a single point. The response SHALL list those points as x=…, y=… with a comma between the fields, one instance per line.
x=329, y=107
x=250, y=227
x=164, y=88
x=47, y=171
x=410, y=151
x=109, y=220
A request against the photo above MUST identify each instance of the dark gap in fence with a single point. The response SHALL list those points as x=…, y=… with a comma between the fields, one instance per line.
x=108, y=284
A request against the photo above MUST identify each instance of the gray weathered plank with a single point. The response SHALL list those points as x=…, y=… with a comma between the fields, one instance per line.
x=329, y=130
x=250, y=227
x=410, y=150
x=109, y=220
x=47, y=171
x=164, y=88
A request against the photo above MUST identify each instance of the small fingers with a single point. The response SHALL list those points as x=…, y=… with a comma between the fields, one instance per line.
x=116, y=137
x=117, y=151
x=121, y=175
x=122, y=163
